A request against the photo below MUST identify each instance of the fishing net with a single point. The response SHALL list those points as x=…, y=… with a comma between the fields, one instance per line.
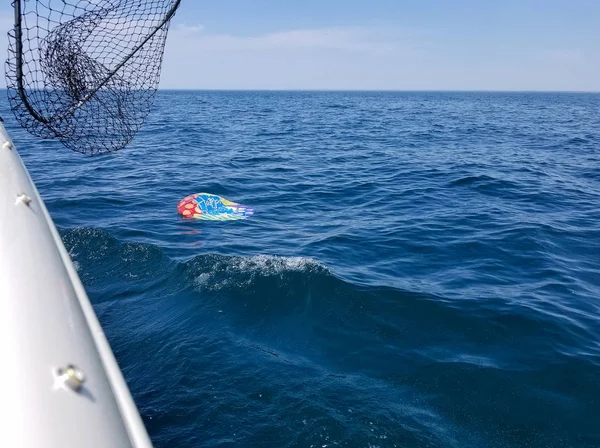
x=86, y=71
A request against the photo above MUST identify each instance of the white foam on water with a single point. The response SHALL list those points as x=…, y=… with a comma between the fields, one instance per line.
x=226, y=271
x=272, y=264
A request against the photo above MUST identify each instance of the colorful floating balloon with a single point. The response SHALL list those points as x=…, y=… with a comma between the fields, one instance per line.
x=212, y=207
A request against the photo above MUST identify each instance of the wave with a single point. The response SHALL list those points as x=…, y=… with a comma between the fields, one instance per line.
x=265, y=289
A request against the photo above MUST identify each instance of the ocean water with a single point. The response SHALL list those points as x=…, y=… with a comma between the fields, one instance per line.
x=422, y=269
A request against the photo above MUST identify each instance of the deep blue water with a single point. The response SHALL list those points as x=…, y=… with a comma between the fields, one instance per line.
x=422, y=269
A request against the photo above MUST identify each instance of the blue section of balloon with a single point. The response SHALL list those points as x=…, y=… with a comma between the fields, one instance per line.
x=212, y=207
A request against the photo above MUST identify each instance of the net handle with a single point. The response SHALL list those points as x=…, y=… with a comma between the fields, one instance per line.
x=19, y=61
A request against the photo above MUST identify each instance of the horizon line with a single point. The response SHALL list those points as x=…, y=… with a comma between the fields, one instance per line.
x=379, y=90
x=171, y=89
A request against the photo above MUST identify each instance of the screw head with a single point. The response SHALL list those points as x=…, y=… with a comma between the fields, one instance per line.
x=71, y=377
x=23, y=199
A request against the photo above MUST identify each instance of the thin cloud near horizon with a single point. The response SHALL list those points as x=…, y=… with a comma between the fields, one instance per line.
x=364, y=58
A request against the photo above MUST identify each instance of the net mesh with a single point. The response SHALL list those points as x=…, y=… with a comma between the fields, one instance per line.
x=86, y=72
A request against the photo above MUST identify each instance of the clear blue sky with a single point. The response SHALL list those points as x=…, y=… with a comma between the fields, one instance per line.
x=385, y=44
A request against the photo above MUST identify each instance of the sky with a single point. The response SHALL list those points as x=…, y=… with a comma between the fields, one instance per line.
x=381, y=45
